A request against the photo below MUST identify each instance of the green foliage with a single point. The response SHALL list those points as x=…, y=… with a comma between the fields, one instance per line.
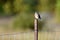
x=24, y=9
x=1, y=8
x=24, y=21
x=57, y=11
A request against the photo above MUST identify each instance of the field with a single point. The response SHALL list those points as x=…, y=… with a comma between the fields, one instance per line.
x=6, y=33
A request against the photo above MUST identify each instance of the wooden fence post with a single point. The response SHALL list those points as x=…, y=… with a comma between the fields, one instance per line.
x=35, y=29
x=36, y=17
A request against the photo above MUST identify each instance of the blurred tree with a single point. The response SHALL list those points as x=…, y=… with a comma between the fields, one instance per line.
x=43, y=5
x=52, y=5
x=2, y=2
x=25, y=7
x=18, y=5
x=1, y=8
x=46, y=5
x=57, y=11
x=32, y=3
x=9, y=7
x=12, y=6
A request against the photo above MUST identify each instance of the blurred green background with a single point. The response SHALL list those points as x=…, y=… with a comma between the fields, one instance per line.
x=22, y=12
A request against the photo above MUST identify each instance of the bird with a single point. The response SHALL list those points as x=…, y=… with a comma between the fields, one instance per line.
x=37, y=15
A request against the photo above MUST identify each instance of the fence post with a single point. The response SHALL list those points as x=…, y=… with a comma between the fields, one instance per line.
x=36, y=29
x=36, y=17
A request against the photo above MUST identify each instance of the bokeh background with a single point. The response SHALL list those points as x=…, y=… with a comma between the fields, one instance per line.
x=18, y=15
